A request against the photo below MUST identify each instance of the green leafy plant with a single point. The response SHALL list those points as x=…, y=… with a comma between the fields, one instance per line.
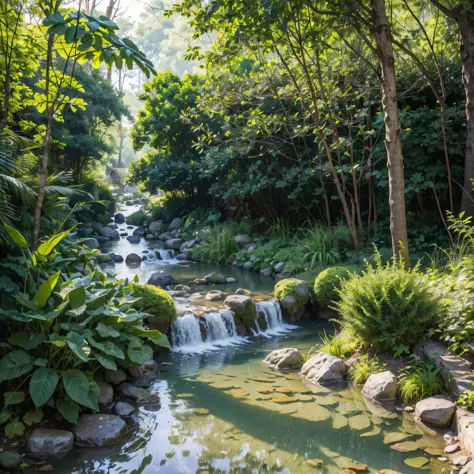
x=341, y=344
x=420, y=379
x=156, y=302
x=466, y=399
x=328, y=283
x=364, y=368
x=388, y=305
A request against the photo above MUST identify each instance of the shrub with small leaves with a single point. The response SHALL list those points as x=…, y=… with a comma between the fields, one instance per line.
x=327, y=284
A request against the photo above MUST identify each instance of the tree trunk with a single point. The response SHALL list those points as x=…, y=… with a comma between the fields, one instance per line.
x=393, y=143
x=466, y=27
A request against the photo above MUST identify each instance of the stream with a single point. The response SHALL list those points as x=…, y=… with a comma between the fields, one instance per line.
x=218, y=412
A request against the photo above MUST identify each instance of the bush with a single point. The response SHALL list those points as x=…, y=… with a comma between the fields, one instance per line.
x=340, y=344
x=295, y=289
x=420, y=380
x=388, y=305
x=137, y=218
x=156, y=302
x=364, y=368
x=328, y=283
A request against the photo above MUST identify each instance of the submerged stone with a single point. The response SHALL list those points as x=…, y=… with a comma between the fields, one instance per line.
x=288, y=358
x=418, y=462
x=99, y=430
x=359, y=422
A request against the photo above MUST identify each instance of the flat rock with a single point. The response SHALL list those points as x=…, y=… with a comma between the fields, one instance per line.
x=99, y=430
x=136, y=393
x=381, y=386
x=437, y=411
x=176, y=223
x=115, y=377
x=242, y=240
x=173, y=244
x=48, y=441
x=124, y=409
x=215, y=295
x=110, y=233
x=288, y=358
x=133, y=239
x=324, y=368
x=133, y=258
x=161, y=279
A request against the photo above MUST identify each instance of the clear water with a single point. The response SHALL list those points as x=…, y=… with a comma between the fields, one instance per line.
x=214, y=419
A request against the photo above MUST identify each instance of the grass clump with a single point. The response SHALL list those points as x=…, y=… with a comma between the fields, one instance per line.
x=341, y=344
x=156, y=302
x=364, y=368
x=137, y=218
x=328, y=283
x=388, y=305
x=419, y=380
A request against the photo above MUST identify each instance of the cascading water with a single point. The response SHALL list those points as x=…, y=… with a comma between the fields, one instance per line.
x=165, y=254
x=186, y=331
x=273, y=318
x=221, y=328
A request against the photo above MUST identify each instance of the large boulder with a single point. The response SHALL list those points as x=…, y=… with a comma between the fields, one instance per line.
x=49, y=441
x=124, y=409
x=189, y=244
x=119, y=218
x=140, y=231
x=324, y=368
x=161, y=279
x=91, y=243
x=176, y=223
x=99, y=430
x=279, y=267
x=133, y=258
x=165, y=236
x=106, y=393
x=216, y=278
x=10, y=459
x=288, y=358
x=174, y=244
x=133, y=239
x=244, y=308
x=293, y=295
x=242, y=240
x=155, y=227
x=437, y=411
x=110, y=233
x=381, y=386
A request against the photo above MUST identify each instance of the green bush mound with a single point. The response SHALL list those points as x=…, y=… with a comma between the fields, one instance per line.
x=156, y=302
x=328, y=283
x=292, y=293
x=388, y=305
x=137, y=218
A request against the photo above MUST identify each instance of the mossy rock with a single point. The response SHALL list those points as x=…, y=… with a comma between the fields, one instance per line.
x=137, y=218
x=156, y=302
x=328, y=283
x=293, y=294
x=243, y=307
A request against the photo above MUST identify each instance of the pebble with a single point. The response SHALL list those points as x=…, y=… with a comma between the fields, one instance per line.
x=452, y=448
x=409, y=409
x=442, y=459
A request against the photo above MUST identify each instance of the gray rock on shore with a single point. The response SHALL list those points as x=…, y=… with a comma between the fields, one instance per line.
x=49, y=441
x=324, y=368
x=99, y=430
x=437, y=411
x=381, y=386
x=288, y=358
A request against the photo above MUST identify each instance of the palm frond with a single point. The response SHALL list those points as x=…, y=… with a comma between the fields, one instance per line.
x=18, y=189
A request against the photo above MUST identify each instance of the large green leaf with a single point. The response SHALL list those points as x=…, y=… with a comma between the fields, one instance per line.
x=13, y=398
x=77, y=297
x=139, y=355
x=42, y=385
x=68, y=409
x=15, y=364
x=78, y=345
x=16, y=237
x=15, y=428
x=33, y=417
x=105, y=361
x=161, y=340
x=76, y=385
x=45, y=290
x=47, y=247
x=107, y=331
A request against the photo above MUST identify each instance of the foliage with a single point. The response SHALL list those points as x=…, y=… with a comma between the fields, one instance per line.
x=466, y=399
x=291, y=287
x=387, y=305
x=136, y=218
x=420, y=379
x=341, y=344
x=328, y=283
x=156, y=302
x=364, y=368
x=64, y=321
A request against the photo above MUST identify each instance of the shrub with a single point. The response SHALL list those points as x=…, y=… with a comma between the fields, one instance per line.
x=364, y=368
x=466, y=399
x=156, y=302
x=420, y=380
x=137, y=218
x=388, y=305
x=341, y=344
x=328, y=283
x=295, y=289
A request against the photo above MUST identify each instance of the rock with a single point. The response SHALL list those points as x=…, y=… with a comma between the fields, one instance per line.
x=176, y=223
x=161, y=279
x=133, y=258
x=189, y=244
x=216, y=278
x=104, y=258
x=106, y=393
x=151, y=237
x=452, y=448
x=112, y=226
x=140, y=231
x=242, y=240
x=288, y=358
x=101, y=238
x=165, y=236
x=243, y=307
x=98, y=430
x=381, y=386
x=215, y=295
x=243, y=291
x=437, y=411
x=117, y=258
x=174, y=244
x=468, y=468
x=184, y=288
x=119, y=218
x=123, y=234
x=266, y=272
x=279, y=267
x=251, y=248
x=124, y=409
x=247, y=266
x=10, y=459
x=200, y=281
x=324, y=368
x=48, y=441
x=136, y=393
x=150, y=364
x=293, y=295
x=91, y=243
x=115, y=377
x=133, y=239
x=110, y=233
x=231, y=280
x=155, y=227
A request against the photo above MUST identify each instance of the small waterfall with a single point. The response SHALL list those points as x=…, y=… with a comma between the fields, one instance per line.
x=165, y=254
x=273, y=318
x=220, y=327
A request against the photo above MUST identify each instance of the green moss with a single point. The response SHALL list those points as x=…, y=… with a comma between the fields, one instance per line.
x=156, y=302
x=328, y=283
x=137, y=218
x=248, y=314
x=292, y=293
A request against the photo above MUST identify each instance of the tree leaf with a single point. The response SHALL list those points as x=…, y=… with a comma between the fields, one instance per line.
x=68, y=409
x=106, y=331
x=15, y=364
x=76, y=385
x=13, y=398
x=15, y=428
x=47, y=247
x=77, y=343
x=16, y=237
x=105, y=361
x=77, y=297
x=33, y=417
x=42, y=385
x=45, y=290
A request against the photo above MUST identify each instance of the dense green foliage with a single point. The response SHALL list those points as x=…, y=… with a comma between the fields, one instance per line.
x=156, y=302
x=388, y=305
x=341, y=344
x=419, y=380
x=328, y=283
x=364, y=368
